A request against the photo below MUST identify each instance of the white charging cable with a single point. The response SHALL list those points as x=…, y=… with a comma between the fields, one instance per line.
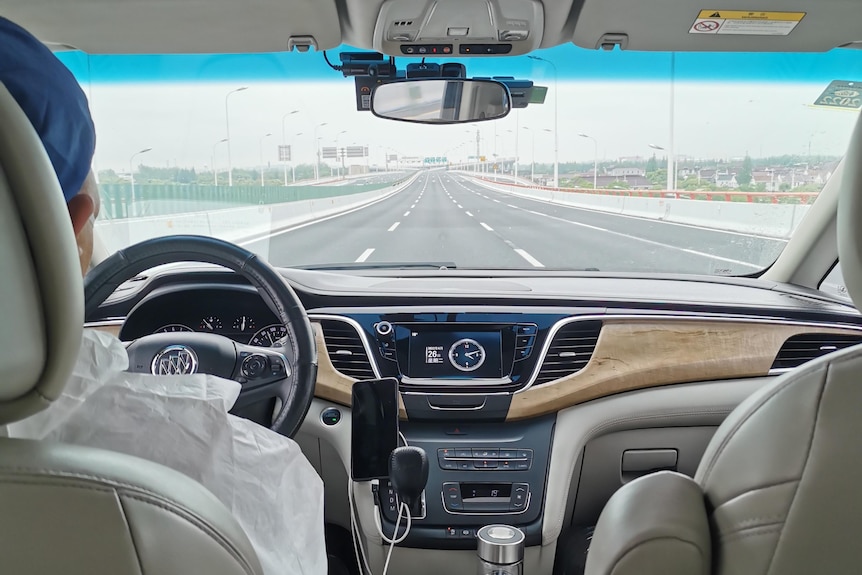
x=401, y=508
x=356, y=533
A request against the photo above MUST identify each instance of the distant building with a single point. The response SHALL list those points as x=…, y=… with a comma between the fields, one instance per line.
x=771, y=182
x=618, y=172
x=726, y=180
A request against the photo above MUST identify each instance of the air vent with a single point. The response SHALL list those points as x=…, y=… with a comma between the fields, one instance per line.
x=570, y=351
x=800, y=349
x=403, y=23
x=345, y=348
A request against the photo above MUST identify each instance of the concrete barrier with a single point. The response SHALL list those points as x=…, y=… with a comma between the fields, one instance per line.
x=236, y=224
x=770, y=220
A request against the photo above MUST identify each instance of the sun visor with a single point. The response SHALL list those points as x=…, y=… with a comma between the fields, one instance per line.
x=181, y=27
x=685, y=26
x=458, y=27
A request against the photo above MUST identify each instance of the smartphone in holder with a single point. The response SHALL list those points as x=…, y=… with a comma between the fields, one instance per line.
x=374, y=431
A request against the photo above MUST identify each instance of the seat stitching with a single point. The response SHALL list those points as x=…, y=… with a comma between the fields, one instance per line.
x=203, y=527
x=807, y=459
x=131, y=534
x=775, y=528
x=752, y=410
x=190, y=517
x=653, y=540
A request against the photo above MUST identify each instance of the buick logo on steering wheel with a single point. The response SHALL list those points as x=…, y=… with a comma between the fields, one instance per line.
x=175, y=360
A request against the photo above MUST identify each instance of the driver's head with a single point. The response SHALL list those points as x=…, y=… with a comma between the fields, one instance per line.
x=55, y=104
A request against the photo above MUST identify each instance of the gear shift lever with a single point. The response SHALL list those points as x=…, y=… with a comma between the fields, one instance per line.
x=408, y=474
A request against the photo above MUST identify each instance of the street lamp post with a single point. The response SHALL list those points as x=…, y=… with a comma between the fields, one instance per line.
x=532, y=154
x=556, y=124
x=670, y=168
x=317, y=151
x=260, y=147
x=337, y=153
x=227, y=127
x=292, y=162
x=284, y=142
x=215, y=170
x=132, y=172
x=595, y=159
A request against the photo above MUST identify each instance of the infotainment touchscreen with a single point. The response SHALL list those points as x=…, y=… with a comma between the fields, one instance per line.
x=458, y=354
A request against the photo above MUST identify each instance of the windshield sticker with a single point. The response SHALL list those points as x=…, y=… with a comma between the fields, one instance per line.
x=740, y=22
x=841, y=94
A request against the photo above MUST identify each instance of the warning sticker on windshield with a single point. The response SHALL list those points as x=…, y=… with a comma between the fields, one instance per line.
x=741, y=22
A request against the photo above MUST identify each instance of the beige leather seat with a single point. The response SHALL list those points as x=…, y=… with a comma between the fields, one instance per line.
x=67, y=509
x=779, y=489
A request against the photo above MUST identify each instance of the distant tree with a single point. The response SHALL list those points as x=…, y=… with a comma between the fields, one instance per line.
x=761, y=187
x=743, y=178
x=651, y=165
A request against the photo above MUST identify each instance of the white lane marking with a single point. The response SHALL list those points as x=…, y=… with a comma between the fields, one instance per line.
x=498, y=201
x=651, y=242
x=460, y=207
x=529, y=258
x=393, y=226
x=271, y=234
x=407, y=213
x=469, y=214
x=486, y=226
x=513, y=207
x=413, y=206
x=364, y=255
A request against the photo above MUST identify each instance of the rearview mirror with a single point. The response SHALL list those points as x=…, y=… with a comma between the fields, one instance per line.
x=441, y=101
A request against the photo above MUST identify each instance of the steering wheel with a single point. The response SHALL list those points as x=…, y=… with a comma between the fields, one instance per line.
x=286, y=372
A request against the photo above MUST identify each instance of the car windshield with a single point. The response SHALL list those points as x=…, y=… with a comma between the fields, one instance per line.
x=696, y=163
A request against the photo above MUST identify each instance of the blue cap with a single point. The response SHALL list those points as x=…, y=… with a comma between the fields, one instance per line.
x=53, y=101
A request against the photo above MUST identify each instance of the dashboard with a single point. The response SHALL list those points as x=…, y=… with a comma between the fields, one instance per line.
x=497, y=375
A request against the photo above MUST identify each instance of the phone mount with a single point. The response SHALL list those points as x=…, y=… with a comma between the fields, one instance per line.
x=408, y=475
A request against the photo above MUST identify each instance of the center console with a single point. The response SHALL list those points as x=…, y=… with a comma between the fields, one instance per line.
x=479, y=474
x=457, y=373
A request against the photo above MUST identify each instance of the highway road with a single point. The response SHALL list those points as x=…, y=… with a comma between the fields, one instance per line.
x=445, y=217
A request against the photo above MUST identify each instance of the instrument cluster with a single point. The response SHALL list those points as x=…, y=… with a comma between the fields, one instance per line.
x=242, y=317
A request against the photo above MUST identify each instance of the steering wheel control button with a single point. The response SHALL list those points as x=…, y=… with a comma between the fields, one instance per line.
x=330, y=416
x=254, y=366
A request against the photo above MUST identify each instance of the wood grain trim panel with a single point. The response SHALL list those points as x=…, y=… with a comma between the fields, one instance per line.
x=113, y=329
x=635, y=354
x=333, y=385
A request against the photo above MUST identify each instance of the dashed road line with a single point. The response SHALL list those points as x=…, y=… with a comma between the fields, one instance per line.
x=393, y=226
x=533, y=261
x=459, y=206
x=469, y=214
x=486, y=226
x=365, y=255
x=407, y=213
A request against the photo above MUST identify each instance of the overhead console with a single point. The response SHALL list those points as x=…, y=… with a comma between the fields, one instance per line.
x=459, y=27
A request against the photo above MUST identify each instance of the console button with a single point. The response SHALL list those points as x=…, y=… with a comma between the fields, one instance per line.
x=518, y=501
x=446, y=452
x=465, y=533
x=508, y=454
x=505, y=465
x=451, y=532
x=523, y=353
x=465, y=465
x=526, y=329
x=452, y=497
x=448, y=464
x=521, y=465
x=485, y=453
x=485, y=464
x=464, y=452
x=525, y=454
x=524, y=341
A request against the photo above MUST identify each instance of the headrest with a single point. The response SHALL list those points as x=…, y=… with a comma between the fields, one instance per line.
x=850, y=217
x=41, y=292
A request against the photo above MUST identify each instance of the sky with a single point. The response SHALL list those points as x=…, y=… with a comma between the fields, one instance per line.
x=724, y=106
